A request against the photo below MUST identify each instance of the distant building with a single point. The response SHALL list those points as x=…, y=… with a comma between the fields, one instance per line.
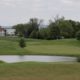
x=7, y=31
x=10, y=32
x=2, y=31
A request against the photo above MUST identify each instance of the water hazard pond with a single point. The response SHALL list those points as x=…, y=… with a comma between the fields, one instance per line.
x=36, y=58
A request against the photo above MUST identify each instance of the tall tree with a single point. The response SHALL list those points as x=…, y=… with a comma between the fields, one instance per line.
x=19, y=29
x=53, y=31
x=66, y=29
x=35, y=24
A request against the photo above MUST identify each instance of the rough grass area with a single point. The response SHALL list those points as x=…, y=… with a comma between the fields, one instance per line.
x=69, y=47
x=40, y=71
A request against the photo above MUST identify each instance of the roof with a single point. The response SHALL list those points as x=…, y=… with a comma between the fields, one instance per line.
x=1, y=29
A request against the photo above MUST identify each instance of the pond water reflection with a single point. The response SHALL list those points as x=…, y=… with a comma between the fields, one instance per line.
x=36, y=58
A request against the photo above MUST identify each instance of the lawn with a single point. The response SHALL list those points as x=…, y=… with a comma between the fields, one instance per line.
x=40, y=71
x=69, y=47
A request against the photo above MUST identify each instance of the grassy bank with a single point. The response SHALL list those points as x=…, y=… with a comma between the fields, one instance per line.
x=40, y=71
x=70, y=47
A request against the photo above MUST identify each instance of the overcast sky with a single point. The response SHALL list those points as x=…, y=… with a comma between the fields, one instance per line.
x=20, y=11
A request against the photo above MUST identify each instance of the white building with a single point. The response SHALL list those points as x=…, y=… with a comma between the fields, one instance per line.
x=7, y=31
x=2, y=31
x=10, y=32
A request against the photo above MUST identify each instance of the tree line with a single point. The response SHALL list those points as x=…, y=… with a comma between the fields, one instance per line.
x=57, y=29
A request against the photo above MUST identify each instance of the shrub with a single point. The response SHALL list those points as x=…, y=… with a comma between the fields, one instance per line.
x=22, y=43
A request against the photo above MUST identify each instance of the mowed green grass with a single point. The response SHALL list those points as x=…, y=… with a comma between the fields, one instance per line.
x=40, y=71
x=69, y=47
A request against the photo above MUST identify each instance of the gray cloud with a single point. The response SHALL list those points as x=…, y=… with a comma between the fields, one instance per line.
x=20, y=11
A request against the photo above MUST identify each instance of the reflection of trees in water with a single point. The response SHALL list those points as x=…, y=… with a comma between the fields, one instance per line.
x=21, y=58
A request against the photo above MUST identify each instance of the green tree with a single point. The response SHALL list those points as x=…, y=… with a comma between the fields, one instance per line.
x=76, y=27
x=27, y=29
x=78, y=35
x=35, y=24
x=19, y=29
x=66, y=29
x=43, y=33
x=22, y=43
x=53, y=31
x=34, y=34
x=65, y=26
